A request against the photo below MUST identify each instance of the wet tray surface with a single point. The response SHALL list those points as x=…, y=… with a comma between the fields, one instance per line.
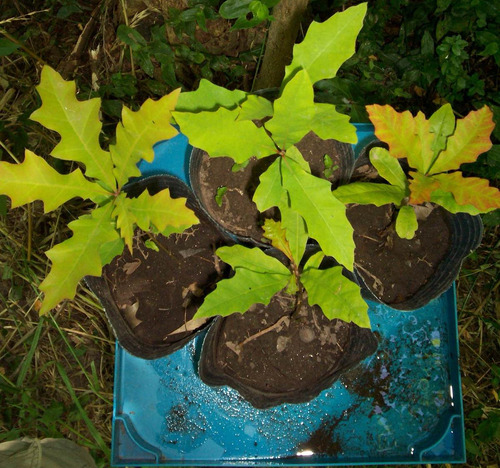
x=401, y=405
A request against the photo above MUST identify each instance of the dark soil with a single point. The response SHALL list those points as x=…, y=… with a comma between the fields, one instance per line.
x=158, y=292
x=149, y=295
x=272, y=357
x=394, y=268
x=237, y=212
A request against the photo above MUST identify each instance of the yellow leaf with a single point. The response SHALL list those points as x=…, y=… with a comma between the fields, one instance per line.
x=470, y=191
x=79, y=256
x=471, y=138
x=78, y=124
x=138, y=132
x=34, y=179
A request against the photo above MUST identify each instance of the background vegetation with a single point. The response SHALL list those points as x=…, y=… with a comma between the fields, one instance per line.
x=56, y=373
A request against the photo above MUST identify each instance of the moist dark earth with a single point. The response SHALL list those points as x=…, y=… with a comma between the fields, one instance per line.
x=158, y=292
x=393, y=267
x=237, y=212
x=281, y=353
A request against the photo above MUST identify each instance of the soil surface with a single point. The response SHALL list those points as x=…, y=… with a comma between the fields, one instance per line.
x=158, y=292
x=237, y=212
x=272, y=356
x=394, y=268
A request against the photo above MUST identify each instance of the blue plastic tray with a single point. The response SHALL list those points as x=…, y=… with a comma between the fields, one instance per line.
x=401, y=405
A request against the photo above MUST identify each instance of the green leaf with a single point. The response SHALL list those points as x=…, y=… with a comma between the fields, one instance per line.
x=131, y=37
x=314, y=261
x=125, y=219
x=219, y=133
x=406, y=222
x=270, y=190
x=147, y=211
x=369, y=193
x=7, y=47
x=296, y=231
x=338, y=297
x=471, y=138
x=274, y=231
x=442, y=124
x=257, y=278
x=294, y=154
x=330, y=124
x=221, y=191
x=138, y=132
x=78, y=124
x=78, y=256
x=293, y=111
x=209, y=97
x=34, y=179
x=388, y=167
x=253, y=259
x=239, y=293
x=324, y=215
x=255, y=108
x=327, y=45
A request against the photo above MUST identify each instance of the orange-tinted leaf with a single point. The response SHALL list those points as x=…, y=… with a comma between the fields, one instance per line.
x=422, y=159
x=470, y=191
x=471, y=138
x=399, y=131
x=421, y=188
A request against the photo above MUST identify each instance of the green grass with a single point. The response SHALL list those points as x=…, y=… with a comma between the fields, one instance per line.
x=56, y=373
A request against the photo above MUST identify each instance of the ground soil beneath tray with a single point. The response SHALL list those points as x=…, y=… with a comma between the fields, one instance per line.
x=158, y=292
x=289, y=357
x=394, y=268
x=237, y=212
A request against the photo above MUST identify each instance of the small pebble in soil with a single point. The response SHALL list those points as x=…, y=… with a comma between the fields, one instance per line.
x=306, y=335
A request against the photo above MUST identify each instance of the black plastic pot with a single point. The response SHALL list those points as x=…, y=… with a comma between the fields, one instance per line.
x=466, y=234
x=295, y=355
x=127, y=335
x=196, y=170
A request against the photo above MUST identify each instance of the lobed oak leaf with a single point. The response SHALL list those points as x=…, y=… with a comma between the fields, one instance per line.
x=323, y=214
x=402, y=132
x=78, y=124
x=269, y=191
x=274, y=231
x=79, y=256
x=327, y=45
x=293, y=111
x=421, y=187
x=34, y=179
x=470, y=191
x=256, y=279
x=219, y=133
x=255, y=108
x=158, y=211
x=470, y=139
x=254, y=259
x=329, y=124
x=209, y=97
x=338, y=297
x=138, y=132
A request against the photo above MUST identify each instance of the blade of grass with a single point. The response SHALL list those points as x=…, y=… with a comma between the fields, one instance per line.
x=26, y=363
x=92, y=383
x=92, y=429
